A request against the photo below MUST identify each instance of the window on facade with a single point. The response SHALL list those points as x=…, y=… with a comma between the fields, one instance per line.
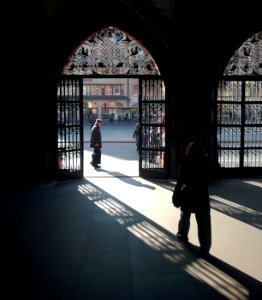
x=108, y=90
x=135, y=90
x=116, y=90
x=103, y=90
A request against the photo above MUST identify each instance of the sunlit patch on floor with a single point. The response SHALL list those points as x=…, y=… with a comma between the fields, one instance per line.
x=218, y=280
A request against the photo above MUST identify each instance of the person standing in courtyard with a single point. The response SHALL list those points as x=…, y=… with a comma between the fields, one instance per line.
x=193, y=178
x=136, y=135
x=91, y=120
x=96, y=143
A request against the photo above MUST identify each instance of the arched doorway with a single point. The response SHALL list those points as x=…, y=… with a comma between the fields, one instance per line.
x=239, y=111
x=111, y=53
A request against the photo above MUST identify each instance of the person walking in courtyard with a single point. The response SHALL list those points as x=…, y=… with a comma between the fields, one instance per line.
x=96, y=143
x=193, y=179
x=136, y=135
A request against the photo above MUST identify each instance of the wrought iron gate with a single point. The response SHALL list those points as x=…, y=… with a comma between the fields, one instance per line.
x=121, y=55
x=152, y=116
x=239, y=123
x=69, y=128
x=152, y=112
x=239, y=110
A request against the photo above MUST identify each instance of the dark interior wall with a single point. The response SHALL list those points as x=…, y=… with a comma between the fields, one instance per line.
x=191, y=43
x=69, y=27
x=204, y=38
x=26, y=133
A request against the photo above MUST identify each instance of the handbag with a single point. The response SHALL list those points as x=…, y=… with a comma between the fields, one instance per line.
x=179, y=194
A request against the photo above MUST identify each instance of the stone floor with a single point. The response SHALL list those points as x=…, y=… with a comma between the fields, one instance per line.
x=111, y=235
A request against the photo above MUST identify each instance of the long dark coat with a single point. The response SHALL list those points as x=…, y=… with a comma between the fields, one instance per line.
x=194, y=175
x=95, y=140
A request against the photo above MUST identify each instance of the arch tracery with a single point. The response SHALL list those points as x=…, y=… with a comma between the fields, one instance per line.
x=247, y=60
x=111, y=51
x=239, y=108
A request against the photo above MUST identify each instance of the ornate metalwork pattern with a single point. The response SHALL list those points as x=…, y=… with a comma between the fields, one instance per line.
x=153, y=131
x=247, y=60
x=111, y=52
x=239, y=108
x=239, y=123
x=69, y=139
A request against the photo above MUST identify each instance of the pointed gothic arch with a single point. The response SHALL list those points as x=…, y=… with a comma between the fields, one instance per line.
x=239, y=109
x=111, y=52
x=247, y=60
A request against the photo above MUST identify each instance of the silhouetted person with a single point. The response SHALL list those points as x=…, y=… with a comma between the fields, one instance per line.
x=91, y=120
x=194, y=176
x=96, y=143
x=136, y=135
